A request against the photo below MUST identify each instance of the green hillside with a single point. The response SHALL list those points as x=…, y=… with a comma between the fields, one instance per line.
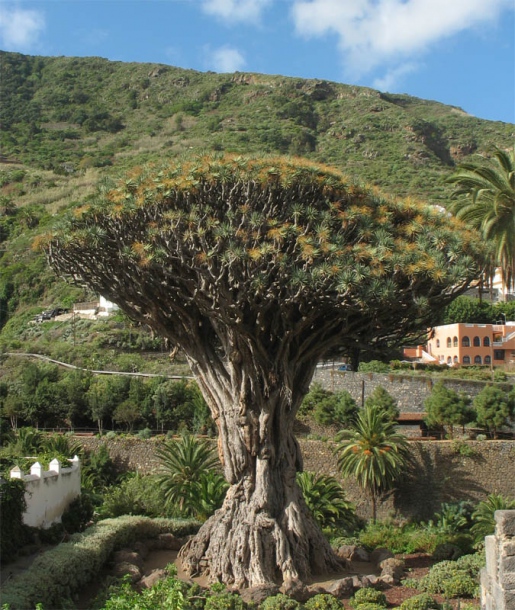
x=69, y=122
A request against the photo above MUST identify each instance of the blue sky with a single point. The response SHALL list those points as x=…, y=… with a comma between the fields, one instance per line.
x=459, y=52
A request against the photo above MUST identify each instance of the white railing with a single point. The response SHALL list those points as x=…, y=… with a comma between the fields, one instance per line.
x=48, y=492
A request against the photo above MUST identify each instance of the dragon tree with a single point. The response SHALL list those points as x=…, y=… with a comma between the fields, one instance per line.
x=256, y=268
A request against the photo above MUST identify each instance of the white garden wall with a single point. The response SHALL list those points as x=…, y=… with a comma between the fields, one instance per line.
x=49, y=492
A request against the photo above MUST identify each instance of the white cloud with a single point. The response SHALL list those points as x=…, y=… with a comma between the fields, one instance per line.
x=20, y=28
x=226, y=59
x=374, y=32
x=236, y=10
x=390, y=80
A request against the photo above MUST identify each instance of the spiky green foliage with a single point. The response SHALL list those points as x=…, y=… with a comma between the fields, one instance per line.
x=188, y=478
x=485, y=198
x=326, y=500
x=483, y=516
x=372, y=452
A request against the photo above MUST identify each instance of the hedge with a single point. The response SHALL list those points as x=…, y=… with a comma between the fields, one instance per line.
x=61, y=572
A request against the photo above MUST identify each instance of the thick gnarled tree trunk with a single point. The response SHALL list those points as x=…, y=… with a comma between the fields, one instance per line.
x=264, y=532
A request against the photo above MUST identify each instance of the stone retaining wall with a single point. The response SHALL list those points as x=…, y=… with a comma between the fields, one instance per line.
x=439, y=471
x=498, y=578
x=409, y=391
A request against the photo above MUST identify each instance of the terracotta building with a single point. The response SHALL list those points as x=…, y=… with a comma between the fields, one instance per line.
x=486, y=344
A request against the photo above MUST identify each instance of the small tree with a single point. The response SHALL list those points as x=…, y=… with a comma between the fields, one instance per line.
x=336, y=409
x=104, y=395
x=128, y=413
x=383, y=402
x=445, y=407
x=317, y=393
x=372, y=452
x=470, y=311
x=494, y=408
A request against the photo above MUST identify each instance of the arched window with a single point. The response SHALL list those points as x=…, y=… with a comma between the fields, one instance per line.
x=477, y=359
x=465, y=342
x=455, y=342
x=477, y=342
x=466, y=359
x=488, y=360
x=486, y=342
x=438, y=343
x=449, y=360
x=455, y=359
x=449, y=342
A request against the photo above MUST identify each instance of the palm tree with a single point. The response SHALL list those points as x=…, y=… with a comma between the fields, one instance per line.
x=372, y=452
x=185, y=463
x=484, y=198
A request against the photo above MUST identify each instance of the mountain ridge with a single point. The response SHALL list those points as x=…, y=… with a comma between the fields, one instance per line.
x=69, y=122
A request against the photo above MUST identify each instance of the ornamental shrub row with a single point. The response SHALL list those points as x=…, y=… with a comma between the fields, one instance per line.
x=57, y=575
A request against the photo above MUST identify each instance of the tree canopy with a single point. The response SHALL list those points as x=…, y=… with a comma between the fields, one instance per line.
x=227, y=239
x=257, y=267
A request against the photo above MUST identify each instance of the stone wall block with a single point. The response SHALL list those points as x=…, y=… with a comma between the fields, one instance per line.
x=507, y=564
x=507, y=580
x=508, y=548
x=498, y=578
x=505, y=523
x=491, y=550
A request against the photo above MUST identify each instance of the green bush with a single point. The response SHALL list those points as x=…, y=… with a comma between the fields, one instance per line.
x=472, y=564
x=167, y=593
x=367, y=595
x=78, y=514
x=13, y=532
x=424, y=601
x=374, y=366
x=408, y=538
x=323, y=601
x=75, y=563
x=225, y=601
x=280, y=602
x=335, y=409
x=136, y=495
x=452, y=579
x=460, y=585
